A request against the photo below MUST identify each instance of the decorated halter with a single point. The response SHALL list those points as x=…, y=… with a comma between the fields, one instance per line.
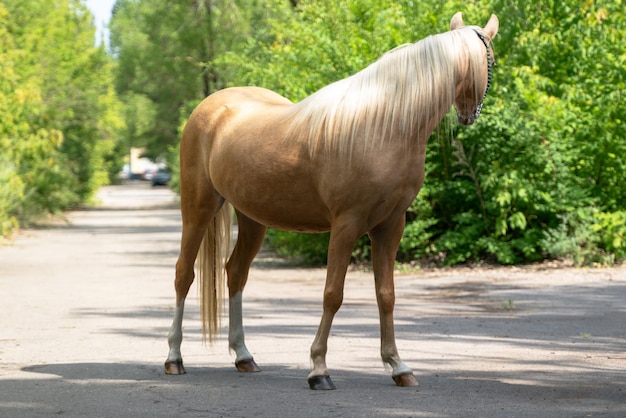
x=490, y=64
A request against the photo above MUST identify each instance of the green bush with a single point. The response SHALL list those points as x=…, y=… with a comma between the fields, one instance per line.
x=308, y=248
x=11, y=193
x=539, y=176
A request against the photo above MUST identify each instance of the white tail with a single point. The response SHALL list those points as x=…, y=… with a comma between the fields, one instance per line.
x=212, y=255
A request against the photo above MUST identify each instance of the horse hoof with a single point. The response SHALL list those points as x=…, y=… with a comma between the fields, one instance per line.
x=405, y=380
x=247, y=366
x=175, y=367
x=321, y=383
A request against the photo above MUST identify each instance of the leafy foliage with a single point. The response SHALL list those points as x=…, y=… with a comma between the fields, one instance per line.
x=538, y=176
x=58, y=111
x=548, y=145
x=166, y=63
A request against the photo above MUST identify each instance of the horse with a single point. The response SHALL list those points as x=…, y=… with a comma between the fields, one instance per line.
x=348, y=159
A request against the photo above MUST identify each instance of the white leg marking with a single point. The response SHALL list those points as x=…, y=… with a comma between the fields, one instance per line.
x=236, y=339
x=391, y=358
x=400, y=369
x=175, y=336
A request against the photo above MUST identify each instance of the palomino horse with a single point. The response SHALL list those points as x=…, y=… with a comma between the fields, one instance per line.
x=349, y=159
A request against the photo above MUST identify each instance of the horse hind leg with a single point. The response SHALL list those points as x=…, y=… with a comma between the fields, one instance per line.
x=191, y=239
x=249, y=241
x=198, y=207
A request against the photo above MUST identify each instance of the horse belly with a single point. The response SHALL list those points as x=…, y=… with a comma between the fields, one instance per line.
x=288, y=217
x=280, y=208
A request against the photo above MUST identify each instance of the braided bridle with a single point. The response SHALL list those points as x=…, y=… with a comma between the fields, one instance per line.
x=490, y=64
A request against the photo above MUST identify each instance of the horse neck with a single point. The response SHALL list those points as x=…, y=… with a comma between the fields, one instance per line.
x=401, y=97
x=441, y=57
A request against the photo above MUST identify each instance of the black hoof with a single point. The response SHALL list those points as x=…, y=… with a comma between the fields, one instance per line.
x=175, y=367
x=321, y=383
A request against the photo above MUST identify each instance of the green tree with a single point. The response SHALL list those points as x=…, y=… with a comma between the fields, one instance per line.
x=165, y=65
x=59, y=115
x=538, y=176
x=534, y=177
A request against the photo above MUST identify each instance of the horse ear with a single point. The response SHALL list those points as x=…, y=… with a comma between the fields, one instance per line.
x=492, y=27
x=457, y=21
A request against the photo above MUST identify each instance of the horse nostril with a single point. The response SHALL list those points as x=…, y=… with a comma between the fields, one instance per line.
x=465, y=120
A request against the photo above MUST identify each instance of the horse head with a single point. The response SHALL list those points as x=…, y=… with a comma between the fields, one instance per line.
x=474, y=73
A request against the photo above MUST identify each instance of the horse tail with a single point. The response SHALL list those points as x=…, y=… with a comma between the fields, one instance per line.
x=212, y=255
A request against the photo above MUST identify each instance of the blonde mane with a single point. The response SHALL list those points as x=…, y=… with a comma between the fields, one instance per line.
x=396, y=97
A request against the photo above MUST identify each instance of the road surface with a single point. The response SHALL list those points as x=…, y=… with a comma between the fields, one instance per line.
x=87, y=303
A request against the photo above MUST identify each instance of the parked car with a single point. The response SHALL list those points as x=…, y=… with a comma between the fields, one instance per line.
x=149, y=174
x=161, y=177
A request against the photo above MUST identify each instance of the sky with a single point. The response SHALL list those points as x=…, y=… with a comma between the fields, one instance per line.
x=101, y=9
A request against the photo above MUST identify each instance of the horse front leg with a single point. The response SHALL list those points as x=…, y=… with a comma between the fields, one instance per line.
x=385, y=241
x=249, y=241
x=342, y=239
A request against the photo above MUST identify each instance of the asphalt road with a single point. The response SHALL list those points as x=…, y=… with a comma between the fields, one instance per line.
x=87, y=303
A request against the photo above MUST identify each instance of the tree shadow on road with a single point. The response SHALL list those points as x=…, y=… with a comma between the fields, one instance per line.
x=123, y=389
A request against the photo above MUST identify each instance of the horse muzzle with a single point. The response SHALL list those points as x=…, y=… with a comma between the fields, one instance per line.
x=465, y=119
